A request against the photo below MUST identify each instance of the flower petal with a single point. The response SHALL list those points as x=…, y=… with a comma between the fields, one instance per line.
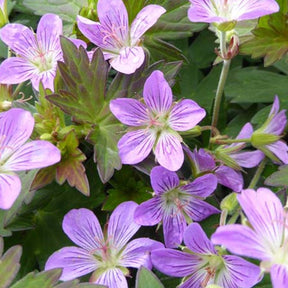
x=230, y=178
x=157, y=93
x=137, y=253
x=16, y=126
x=174, y=263
x=240, y=239
x=238, y=273
x=74, y=261
x=46, y=77
x=32, y=155
x=185, y=115
x=279, y=276
x=279, y=149
x=112, y=278
x=149, y=213
x=114, y=18
x=277, y=124
x=129, y=111
x=202, y=186
x=48, y=31
x=169, y=152
x=199, y=210
x=10, y=187
x=196, y=240
x=163, y=180
x=83, y=228
x=16, y=70
x=144, y=20
x=128, y=60
x=174, y=225
x=248, y=159
x=20, y=39
x=135, y=146
x=121, y=226
x=267, y=217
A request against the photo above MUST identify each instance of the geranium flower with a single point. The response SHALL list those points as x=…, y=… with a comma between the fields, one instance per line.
x=108, y=255
x=37, y=54
x=266, y=138
x=155, y=124
x=220, y=11
x=119, y=42
x=266, y=237
x=201, y=264
x=16, y=126
x=175, y=204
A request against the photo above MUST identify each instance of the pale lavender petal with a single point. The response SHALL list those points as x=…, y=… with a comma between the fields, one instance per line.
x=144, y=20
x=16, y=126
x=196, y=279
x=246, y=131
x=238, y=273
x=248, y=159
x=74, y=261
x=277, y=124
x=199, y=210
x=202, y=186
x=121, y=226
x=169, y=151
x=46, y=77
x=185, y=115
x=230, y=178
x=279, y=276
x=129, y=111
x=135, y=146
x=242, y=240
x=112, y=278
x=114, y=18
x=163, y=180
x=48, y=31
x=83, y=228
x=128, y=60
x=267, y=217
x=157, y=93
x=150, y=212
x=10, y=187
x=280, y=150
x=196, y=240
x=275, y=106
x=137, y=253
x=174, y=263
x=20, y=39
x=16, y=70
x=32, y=155
x=174, y=225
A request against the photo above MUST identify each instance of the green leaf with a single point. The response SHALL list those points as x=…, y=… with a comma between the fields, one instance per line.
x=278, y=178
x=270, y=39
x=85, y=81
x=66, y=9
x=9, y=265
x=145, y=278
x=250, y=85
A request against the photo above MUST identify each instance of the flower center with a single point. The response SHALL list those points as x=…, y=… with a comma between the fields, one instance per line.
x=45, y=61
x=114, y=36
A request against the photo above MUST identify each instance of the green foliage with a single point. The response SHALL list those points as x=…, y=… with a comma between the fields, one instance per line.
x=270, y=37
x=279, y=178
x=145, y=278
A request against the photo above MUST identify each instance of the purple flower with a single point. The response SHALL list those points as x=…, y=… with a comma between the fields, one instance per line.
x=119, y=42
x=16, y=126
x=266, y=236
x=176, y=204
x=155, y=123
x=266, y=138
x=37, y=55
x=203, y=162
x=201, y=264
x=233, y=156
x=219, y=11
x=106, y=255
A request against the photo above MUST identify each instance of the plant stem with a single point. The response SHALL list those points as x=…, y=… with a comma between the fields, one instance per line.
x=230, y=141
x=222, y=80
x=258, y=173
